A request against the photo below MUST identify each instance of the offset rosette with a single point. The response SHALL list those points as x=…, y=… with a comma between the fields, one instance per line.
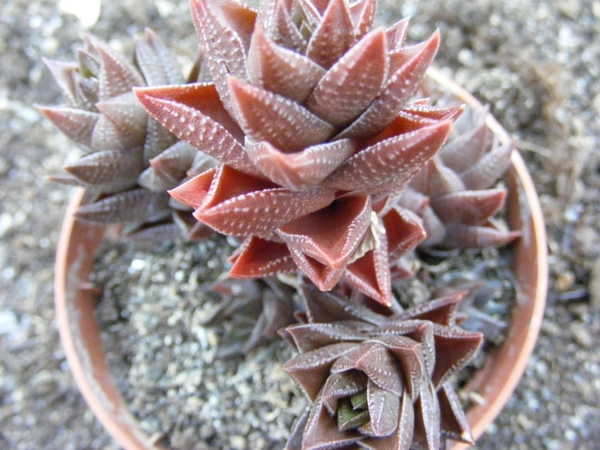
x=312, y=119
x=131, y=160
x=379, y=382
x=451, y=193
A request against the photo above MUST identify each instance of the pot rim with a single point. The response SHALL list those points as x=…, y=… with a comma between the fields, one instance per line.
x=76, y=298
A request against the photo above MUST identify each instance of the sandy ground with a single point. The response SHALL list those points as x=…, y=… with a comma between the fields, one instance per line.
x=537, y=61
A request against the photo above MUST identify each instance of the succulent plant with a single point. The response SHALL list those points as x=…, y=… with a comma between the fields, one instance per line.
x=131, y=160
x=307, y=142
x=312, y=120
x=376, y=381
x=451, y=192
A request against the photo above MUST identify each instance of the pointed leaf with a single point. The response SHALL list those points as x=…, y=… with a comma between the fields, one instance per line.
x=408, y=355
x=301, y=170
x=404, y=231
x=193, y=192
x=435, y=179
x=414, y=117
x=370, y=274
x=281, y=71
x=460, y=152
x=331, y=307
x=362, y=13
x=310, y=370
x=334, y=35
x=195, y=114
x=454, y=347
x=189, y=227
x=324, y=277
x=108, y=167
x=240, y=205
x=265, y=116
x=427, y=419
x=400, y=87
x=435, y=229
x=154, y=232
x=158, y=138
x=382, y=369
x=395, y=159
x=308, y=337
x=472, y=236
x=454, y=424
x=468, y=207
x=117, y=75
x=402, y=437
x=63, y=75
x=295, y=440
x=332, y=234
x=340, y=385
x=353, y=82
x=76, y=124
x=396, y=35
x=176, y=160
x=158, y=65
x=384, y=409
x=127, y=115
x=349, y=418
x=280, y=27
x=489, y=168
x=441, y=310
x=259, y=258
x=225, y=28
x=108, y=136
x=322, y=432
x=130, y=205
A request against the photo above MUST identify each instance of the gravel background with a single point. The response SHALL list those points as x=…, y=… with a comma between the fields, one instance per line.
x=538, y=62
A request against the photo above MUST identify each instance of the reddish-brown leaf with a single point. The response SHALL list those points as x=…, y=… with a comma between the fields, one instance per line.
x=193, y=192
x=489, y=168
x=454, y=347
x=330, y=235
x=301, y=170
x=370, y=274
x=353, y=82
x=311, y=369
x=259, y=258
x=395, y=159
x=334, y=35
x=400, y=87
x=157, y=63
x=225, y=28
x=239, y=204
x=285, y=124
x=76, y=124
x=281, y=71
x=195, y=114
x=468, y=207
x=117, y=75
x=108, y=167
x=404, y=231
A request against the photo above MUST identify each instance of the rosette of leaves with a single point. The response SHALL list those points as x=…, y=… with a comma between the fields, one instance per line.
x=130, y=160
x=452, y=192
x=379, y=382
x=312, y=119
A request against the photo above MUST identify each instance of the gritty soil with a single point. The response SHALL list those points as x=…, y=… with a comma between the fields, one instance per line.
x=536, y=62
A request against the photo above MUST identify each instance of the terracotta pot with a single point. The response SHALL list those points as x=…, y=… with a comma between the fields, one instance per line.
x=80, y=333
